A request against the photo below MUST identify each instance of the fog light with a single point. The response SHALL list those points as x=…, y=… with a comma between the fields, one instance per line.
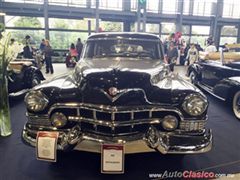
x=169, y=122
x=58, y=119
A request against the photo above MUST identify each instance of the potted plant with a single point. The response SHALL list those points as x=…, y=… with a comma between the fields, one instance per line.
x=7, y=53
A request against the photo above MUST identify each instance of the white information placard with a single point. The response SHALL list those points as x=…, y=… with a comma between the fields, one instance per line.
x=46, y=147
x=112, y=158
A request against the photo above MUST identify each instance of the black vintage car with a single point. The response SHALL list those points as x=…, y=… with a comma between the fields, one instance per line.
x=120, y=92
x=22, y=76
x=219, y=74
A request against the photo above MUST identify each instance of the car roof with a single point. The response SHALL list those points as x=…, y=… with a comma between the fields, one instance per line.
x=124, y=35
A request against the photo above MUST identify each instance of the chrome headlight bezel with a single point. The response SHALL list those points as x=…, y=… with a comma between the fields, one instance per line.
x=36, y=101
x=191, y=102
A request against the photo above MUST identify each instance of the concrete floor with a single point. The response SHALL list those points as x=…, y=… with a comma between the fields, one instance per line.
x=59, y=68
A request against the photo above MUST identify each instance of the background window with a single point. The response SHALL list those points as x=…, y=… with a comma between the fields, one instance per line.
x=19, y=36
x=200, y=30
x=168, y=28
x=71, y=24
x=185, y=29
x=111, y=26
x=186, y=6
x=134, y=5
x=203, y=7
x=17, y=21
x=199, y=40
x=63, y=40
x=152, y=28
x=24, y=1
x=228, y=35
x=231, y=8
x=229, y=31
x=112, y=5
x=169, y=7
x=77, y=3
x=228, y=40
x=152, y=6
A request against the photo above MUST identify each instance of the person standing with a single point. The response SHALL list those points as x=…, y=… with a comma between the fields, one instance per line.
x=42, y=45
x=79, y=47
x=192, y=55
x=172, y=56
x=48, y=57
x=73, y=51
x=27, y=49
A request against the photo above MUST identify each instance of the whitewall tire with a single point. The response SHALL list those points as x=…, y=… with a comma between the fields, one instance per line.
x=193, y=77
x=236, y=104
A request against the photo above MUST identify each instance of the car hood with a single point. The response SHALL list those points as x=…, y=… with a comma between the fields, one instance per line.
x=117, y=72
x=89, y=66
x=91, y=83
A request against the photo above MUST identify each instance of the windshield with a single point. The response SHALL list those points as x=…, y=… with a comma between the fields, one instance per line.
x=129, y=48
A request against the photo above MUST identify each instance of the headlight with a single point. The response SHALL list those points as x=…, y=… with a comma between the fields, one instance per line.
x=36, y=101
x=58, y=120
x=195, y=104
x=169, y=122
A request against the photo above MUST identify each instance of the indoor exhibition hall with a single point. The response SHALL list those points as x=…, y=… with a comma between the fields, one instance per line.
x=119, y=89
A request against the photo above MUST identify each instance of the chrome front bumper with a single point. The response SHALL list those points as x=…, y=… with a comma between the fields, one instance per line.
x=176, y=142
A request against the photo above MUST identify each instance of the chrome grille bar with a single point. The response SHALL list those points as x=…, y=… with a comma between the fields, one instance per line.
x=116, y=123
x=120, y=109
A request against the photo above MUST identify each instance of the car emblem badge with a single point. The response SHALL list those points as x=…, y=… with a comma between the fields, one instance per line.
x=113, y=91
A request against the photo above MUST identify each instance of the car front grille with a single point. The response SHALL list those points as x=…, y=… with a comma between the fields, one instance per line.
x=192, y=125
x=110, y=120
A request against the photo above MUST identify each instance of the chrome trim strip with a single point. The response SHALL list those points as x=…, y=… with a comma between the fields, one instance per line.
x=19, y=93
x=123, y=38
x=133, y=144
x=132, y=115
x=210, y=91
x=113, y=116
x=94, y=114
x=115, y=123
x=111, y=109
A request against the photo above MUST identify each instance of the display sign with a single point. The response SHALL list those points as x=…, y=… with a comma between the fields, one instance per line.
x=47, y=146
x=112, y=158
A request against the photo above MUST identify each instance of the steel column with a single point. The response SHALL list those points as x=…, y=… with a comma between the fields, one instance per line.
x=46, y=22
x=97, y=16
x=141, y=17
x=179, y=16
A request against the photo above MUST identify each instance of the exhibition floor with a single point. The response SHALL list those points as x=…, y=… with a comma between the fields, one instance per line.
x=18, y=161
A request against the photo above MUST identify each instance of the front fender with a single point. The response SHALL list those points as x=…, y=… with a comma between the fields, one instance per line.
x=227, y=87
x=40, y=75
x=29, y=72
x=194, y=68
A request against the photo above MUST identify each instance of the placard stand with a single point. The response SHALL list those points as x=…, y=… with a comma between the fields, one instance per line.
x=46, y=147
x=112, y=161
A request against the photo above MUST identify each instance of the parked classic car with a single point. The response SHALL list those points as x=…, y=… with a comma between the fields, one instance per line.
x=22, y=76
x=219, y=74
x=120, y=92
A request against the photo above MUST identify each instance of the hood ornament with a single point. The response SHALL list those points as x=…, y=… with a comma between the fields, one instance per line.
x=113, y=91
